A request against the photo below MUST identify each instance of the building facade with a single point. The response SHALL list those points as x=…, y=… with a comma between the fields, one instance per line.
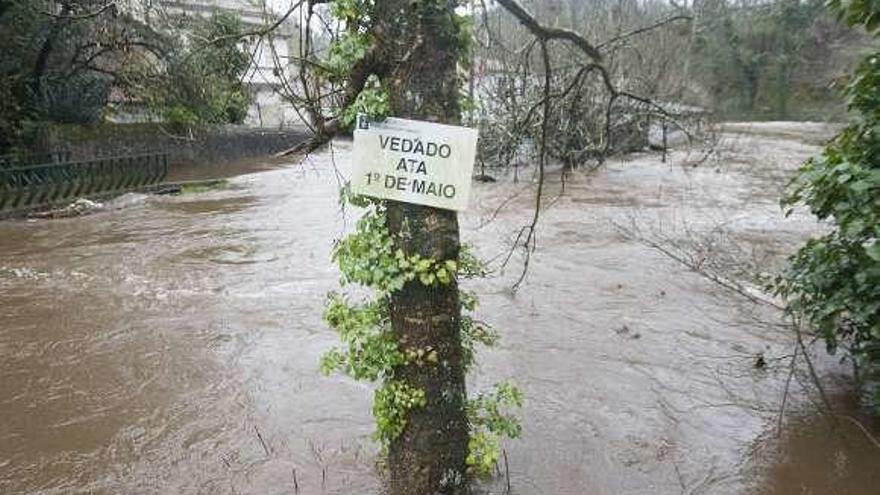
x=270, y=68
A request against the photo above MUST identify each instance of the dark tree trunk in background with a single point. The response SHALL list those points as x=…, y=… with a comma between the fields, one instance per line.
x=4, y=6
x=418, y=40
x=42, y=63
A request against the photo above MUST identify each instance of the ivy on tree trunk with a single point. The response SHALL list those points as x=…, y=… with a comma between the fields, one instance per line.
x=421, y=41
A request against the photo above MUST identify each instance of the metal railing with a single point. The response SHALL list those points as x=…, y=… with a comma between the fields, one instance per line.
x=34, y=186
x=16, y=160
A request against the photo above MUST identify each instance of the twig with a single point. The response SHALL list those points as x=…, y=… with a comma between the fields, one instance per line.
x=713, y=277
x=829, y=411
x=643, y=29
x=262, y=31
x=69, y=17
x=530, y=240
x=262, y=442
x=506, y=471
x=681, y=482
x=500, y=207
x=785, y=392
x=871, y=438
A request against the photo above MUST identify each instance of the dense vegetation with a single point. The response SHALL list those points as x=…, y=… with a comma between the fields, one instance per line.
x=71, y=61
x=201, y=78
x=744, y=59
x=775, y=60
x=833, y=282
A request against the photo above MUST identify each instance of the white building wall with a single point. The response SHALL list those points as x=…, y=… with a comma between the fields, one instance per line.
x=268, y=108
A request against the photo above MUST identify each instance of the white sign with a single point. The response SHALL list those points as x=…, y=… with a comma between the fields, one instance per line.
x=414, y=162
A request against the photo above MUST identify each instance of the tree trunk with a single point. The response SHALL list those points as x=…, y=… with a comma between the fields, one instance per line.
x=42, y=63
x=4, y=6
x=419, y=41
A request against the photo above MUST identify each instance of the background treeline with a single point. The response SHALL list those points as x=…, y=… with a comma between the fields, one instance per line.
x=84, y=61
x=742, y=59
x=782, y=59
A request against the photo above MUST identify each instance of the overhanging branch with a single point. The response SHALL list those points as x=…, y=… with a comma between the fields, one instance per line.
x=546, y=33
x=643, y=29
x=79, y=17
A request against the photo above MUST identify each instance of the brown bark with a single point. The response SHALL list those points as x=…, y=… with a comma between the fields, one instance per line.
x=418, y=41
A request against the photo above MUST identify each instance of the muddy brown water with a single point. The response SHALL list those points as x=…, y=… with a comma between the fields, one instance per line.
x=170, y=344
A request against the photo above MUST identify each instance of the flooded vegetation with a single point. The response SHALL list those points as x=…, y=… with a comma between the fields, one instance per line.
x=171, y=345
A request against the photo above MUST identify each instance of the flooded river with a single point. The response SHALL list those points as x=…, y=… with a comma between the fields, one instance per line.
x=171, y=345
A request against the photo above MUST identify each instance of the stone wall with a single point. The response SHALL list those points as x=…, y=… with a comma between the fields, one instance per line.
x=203, y=146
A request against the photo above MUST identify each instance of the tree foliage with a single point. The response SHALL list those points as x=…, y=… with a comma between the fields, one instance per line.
x=201, y=78
x=834, y=281
x=61, y=60
x=370, y=351
x=747, y=58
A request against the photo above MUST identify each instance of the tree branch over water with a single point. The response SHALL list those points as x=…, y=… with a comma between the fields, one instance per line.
x=644, y=29
x=111, y=7
x=547, y=33
x=594, y=63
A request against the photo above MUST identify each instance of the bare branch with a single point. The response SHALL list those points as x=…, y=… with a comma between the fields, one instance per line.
x=263, y=31
x=370, y=64
x=529, y=243
x=643, y=29
x=71, y=17
x=546, y=33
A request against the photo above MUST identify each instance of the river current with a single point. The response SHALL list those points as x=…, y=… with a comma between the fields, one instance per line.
x=171, y=344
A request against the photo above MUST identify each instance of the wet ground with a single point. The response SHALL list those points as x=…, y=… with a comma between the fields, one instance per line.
x=170, y=345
